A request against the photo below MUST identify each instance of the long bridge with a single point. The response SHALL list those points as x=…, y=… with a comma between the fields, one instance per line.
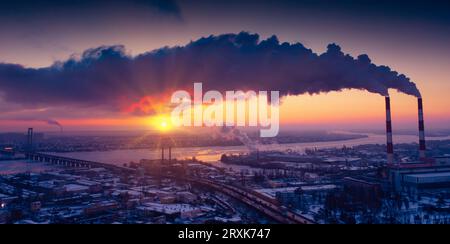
x=74, y=163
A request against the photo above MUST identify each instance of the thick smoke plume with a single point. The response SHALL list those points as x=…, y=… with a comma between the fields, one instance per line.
x=108, y=77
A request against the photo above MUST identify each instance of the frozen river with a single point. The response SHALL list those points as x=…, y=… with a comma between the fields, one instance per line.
x=212, y=154
x=207, y=154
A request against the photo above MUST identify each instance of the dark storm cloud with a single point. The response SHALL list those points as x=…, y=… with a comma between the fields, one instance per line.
x=107, y=76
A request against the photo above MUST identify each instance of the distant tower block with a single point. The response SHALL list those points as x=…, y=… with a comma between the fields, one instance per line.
x=389, y=143
x=30, y=139
x=422, y=147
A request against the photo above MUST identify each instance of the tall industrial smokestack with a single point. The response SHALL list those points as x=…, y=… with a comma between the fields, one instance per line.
x=422, y=146
x=162, y=153
x=389, y=143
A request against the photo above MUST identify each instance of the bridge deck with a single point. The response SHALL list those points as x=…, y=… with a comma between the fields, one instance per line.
x=53, y=158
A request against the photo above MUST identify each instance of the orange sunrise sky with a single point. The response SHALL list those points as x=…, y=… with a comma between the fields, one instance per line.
x=417, y=48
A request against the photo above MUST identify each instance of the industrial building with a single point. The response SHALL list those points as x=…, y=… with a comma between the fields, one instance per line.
x=412, y=176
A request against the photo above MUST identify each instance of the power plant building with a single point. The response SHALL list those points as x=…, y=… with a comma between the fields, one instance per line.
x=413, y=176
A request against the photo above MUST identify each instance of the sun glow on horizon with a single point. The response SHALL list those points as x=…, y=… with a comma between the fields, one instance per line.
x=161, y=123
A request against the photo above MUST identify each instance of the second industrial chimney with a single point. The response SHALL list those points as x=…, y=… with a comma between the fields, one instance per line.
x=389, y=143
x=422, y=146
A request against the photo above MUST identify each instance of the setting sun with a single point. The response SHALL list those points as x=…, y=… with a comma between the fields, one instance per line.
x=161, y=123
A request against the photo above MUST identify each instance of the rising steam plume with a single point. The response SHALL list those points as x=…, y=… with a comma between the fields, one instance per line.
x=231, y=133
x=41, y=120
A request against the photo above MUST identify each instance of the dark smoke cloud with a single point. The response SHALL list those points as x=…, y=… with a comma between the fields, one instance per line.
x=106, y=76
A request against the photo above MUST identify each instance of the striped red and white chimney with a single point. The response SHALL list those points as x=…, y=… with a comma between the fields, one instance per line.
x=422, y=147
x=389, y=143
